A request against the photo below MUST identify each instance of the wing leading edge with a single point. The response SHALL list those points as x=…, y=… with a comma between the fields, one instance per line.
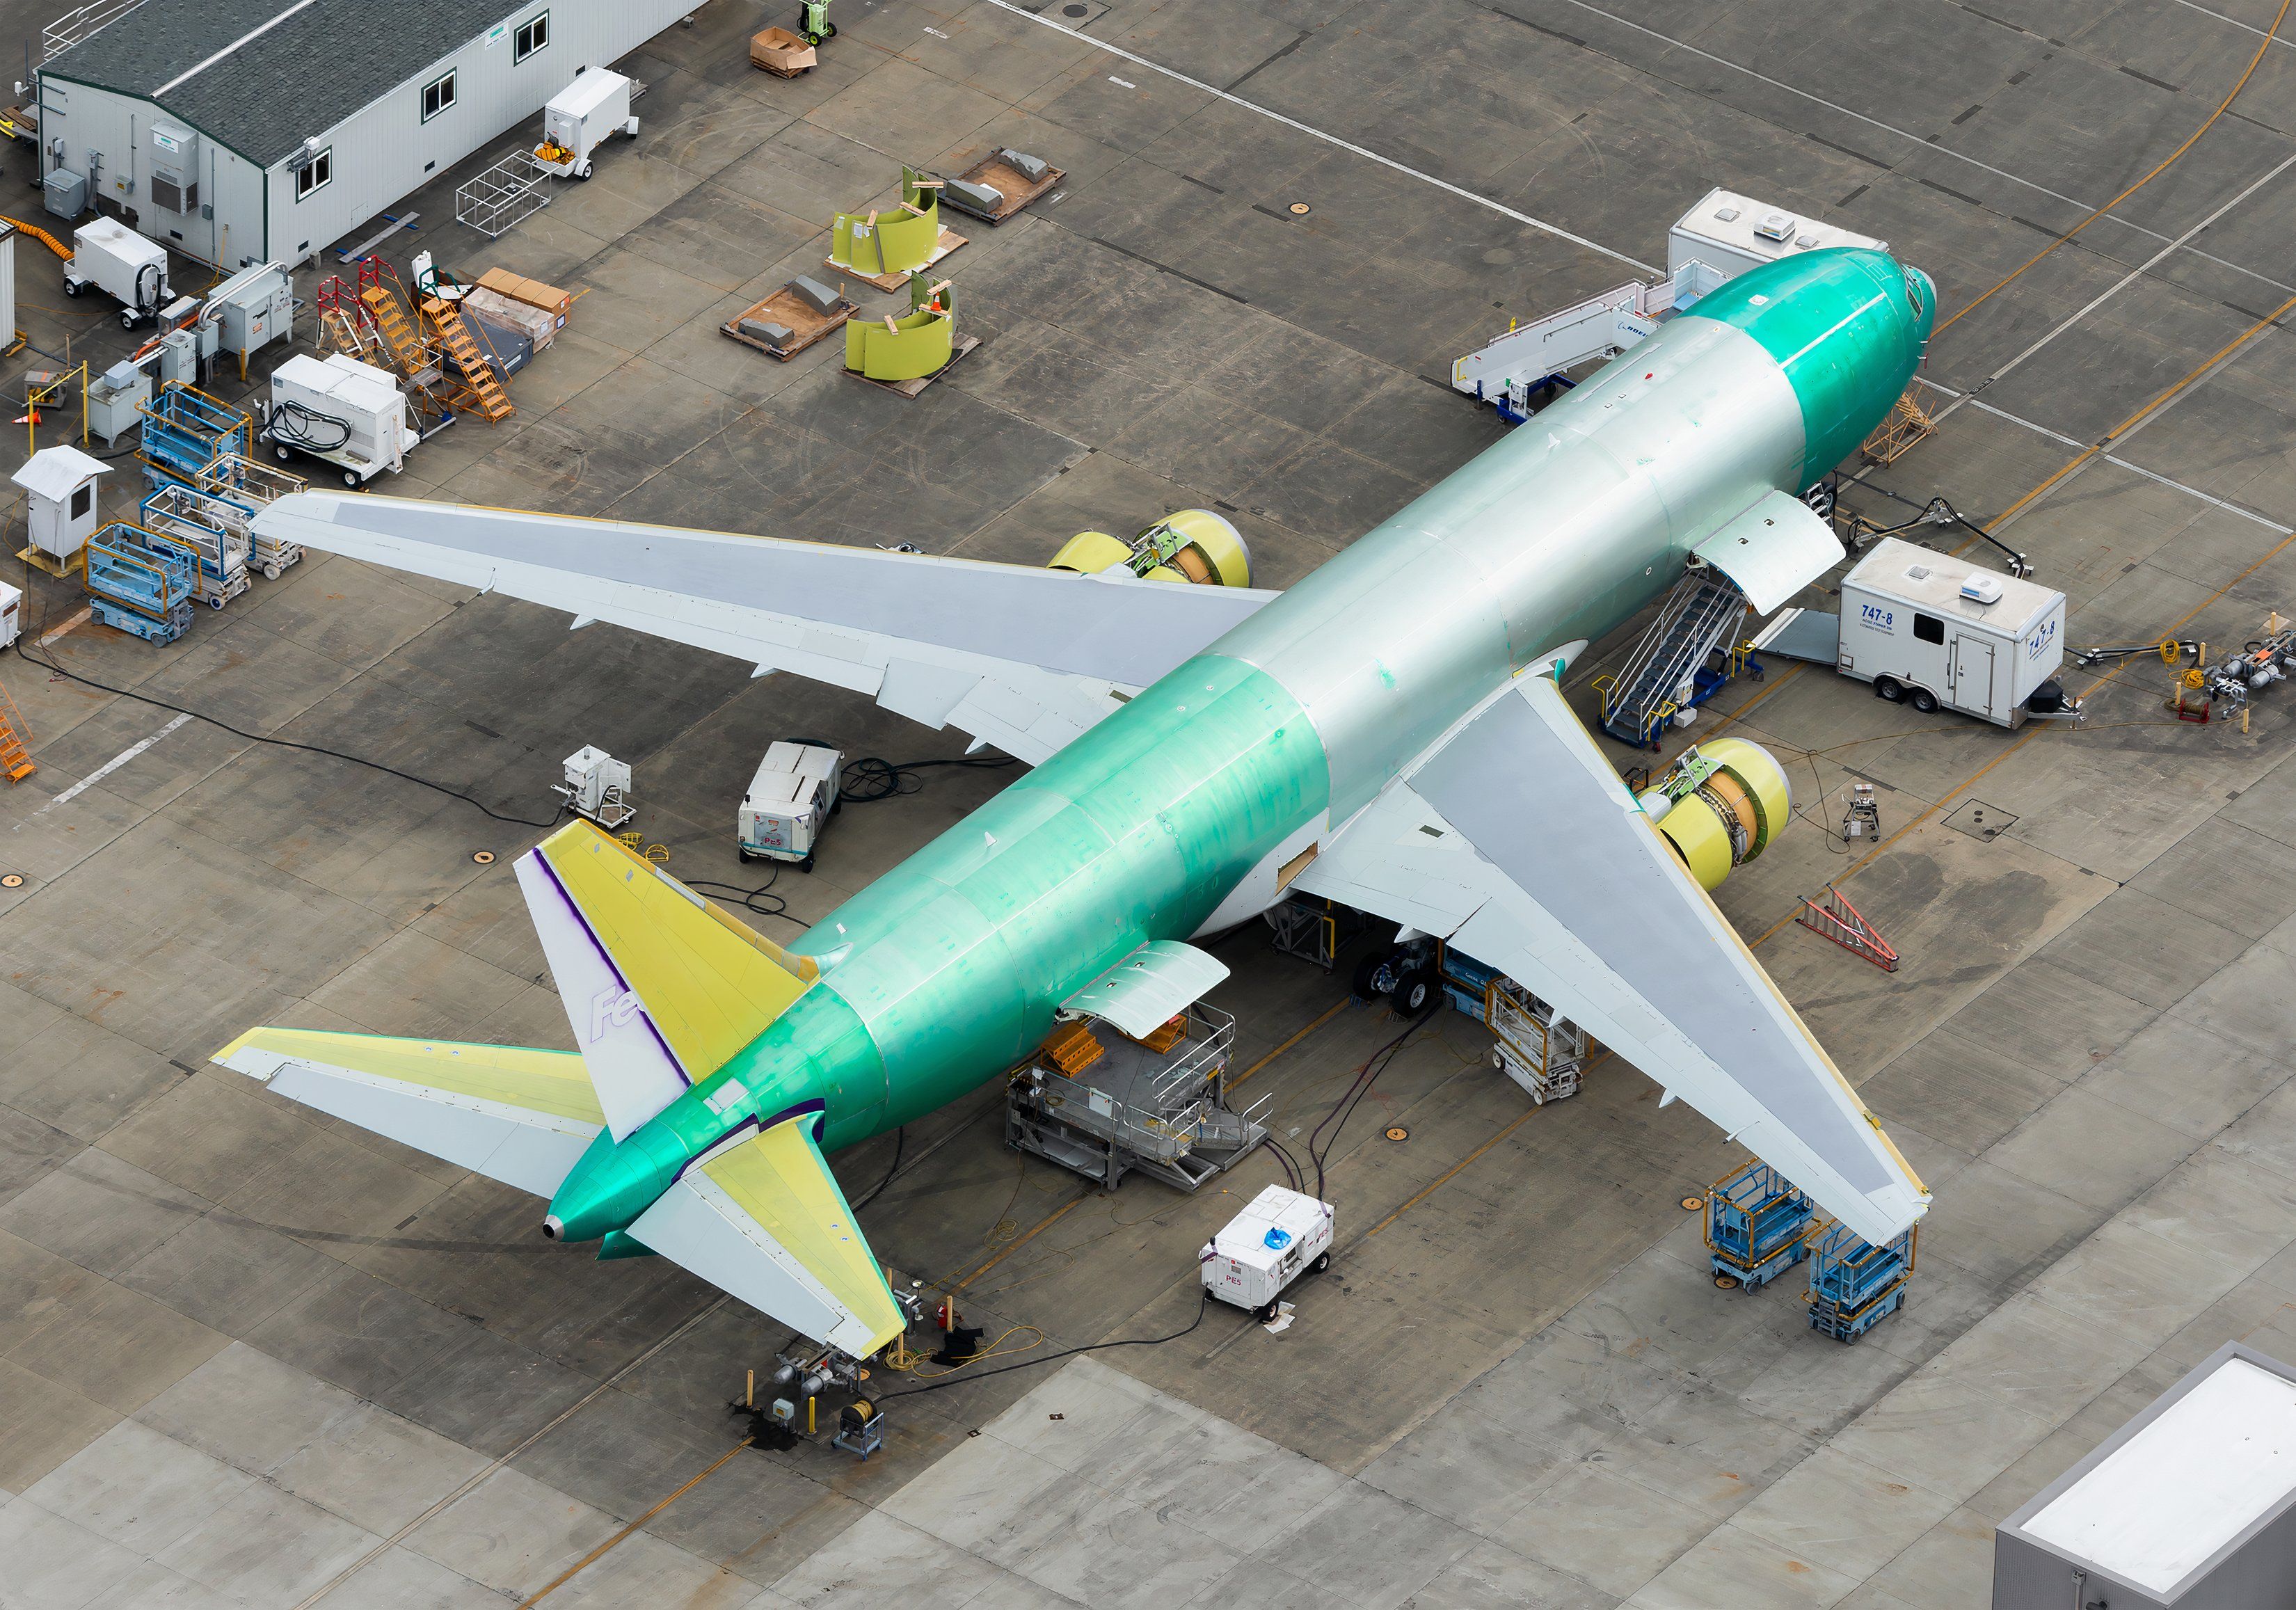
x=1022, y=658
x=1515, y=840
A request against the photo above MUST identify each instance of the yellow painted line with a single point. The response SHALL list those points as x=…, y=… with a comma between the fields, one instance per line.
x=1041, y=1226
x=576, y=1568
x=1318, y=1021
x=1445, y=1177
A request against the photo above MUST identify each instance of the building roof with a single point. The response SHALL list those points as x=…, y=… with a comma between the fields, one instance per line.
x=53, y=473
x=263, y=75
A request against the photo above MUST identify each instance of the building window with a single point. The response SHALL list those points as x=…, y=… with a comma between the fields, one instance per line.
x=1928, y=629
x=533, y=34
x=438, y=97
x=314, y=174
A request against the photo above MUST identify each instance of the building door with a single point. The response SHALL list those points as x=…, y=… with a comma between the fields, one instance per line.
x=1972, y=673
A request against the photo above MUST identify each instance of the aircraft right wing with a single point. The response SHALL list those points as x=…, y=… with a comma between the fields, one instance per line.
x=760, y=1216
x=1513, y=839
x=1020, y=657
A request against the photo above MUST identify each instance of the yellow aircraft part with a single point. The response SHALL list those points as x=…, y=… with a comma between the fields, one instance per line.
x=1088, y=551
x=1756, y=775
x=781, y=1179
x=540, y=1082
x=710, y=982
x=917, y=344
x=1701, y=840
x=1214, y=544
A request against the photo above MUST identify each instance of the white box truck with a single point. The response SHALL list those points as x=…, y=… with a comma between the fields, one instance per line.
x=580, y=116
x=1282, y=1236
x=792, y=794
x=1939, y=633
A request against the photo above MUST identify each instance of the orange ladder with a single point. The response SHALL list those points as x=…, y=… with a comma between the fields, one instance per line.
x=477, y=374
x=15, y=759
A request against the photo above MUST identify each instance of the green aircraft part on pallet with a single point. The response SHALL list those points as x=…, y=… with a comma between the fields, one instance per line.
x=916, y=344
x=880, y=243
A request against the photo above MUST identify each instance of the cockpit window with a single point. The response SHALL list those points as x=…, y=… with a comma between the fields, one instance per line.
x=1914, y=295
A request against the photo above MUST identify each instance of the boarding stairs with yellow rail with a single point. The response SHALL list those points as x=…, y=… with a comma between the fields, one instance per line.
x=477, y=375
x=1703, y=614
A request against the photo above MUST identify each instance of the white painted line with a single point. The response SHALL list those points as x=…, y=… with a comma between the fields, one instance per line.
x=1121, y=83
x=80, y=618
x=109, y=766
x=936, y=33
x=2244, y=27
x=1891, y=128
x=2125, y=280
x=1329, y=139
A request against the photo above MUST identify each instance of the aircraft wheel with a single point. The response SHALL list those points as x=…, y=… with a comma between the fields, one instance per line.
x=1890, y=688
x=1415, y=992
x=1366, y=986
x=1924, y=700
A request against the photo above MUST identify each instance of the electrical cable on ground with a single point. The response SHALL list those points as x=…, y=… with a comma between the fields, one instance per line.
x=24, y=648
x=752, y=900
x=2223, y=107
x=869, y=778
x=1069, y=1353
x=1373, y=1065
x=900, y=1138
x=994, y=1349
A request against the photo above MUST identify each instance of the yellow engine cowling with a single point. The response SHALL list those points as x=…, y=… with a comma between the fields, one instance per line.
x=1189, y=546
x=1088, y=551
x=1725, y=802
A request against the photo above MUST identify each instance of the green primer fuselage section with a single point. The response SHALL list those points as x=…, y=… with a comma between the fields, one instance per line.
x=950, y=967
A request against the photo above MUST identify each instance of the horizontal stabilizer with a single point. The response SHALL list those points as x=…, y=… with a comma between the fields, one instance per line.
x=661, y=986
x=520, y=1116
x=763, y=1218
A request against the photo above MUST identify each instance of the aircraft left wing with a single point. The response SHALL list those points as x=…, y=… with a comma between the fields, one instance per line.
x=520, y=1116
x=1019, y=657
x=761, y=1215
x=1513, y=839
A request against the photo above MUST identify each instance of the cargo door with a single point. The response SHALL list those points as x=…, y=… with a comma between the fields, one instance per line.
x=1972, y=673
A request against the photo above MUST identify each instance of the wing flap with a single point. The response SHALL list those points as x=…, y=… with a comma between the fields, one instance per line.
x=764, y=1219
x=523, y=1117
x=1577, y=896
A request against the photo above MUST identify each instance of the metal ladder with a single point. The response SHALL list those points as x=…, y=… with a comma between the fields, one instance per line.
x=1702, y=614
x=345, y=325
x=477, y=374
x=388, y=313
x=16, y=761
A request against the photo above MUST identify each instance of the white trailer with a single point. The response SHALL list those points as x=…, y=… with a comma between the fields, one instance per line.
x=115, y=259
x=1938, y=632
x=579, y=119
x=351, y=414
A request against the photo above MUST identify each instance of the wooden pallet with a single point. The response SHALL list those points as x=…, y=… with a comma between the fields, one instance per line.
x=785, y=307
x=1008, y=181
x=910, y=388
x=949, y=242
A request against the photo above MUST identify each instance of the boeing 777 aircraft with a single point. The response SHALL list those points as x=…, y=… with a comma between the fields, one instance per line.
x=1389, y=733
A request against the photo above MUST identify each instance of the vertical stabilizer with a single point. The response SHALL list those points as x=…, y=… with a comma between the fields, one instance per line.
x=661, y=987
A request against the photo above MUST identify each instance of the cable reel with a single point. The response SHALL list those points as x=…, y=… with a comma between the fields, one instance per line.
x=1194, y=545
x=1719, y=806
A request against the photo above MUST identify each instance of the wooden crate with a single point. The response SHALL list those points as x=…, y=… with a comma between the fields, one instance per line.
x=785, y=307
x=1007, y=181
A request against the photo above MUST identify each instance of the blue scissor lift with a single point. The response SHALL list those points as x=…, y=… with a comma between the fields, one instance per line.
x=185, y=431
x=1755, y=1221
x=1853, y=1284
x=140, y=582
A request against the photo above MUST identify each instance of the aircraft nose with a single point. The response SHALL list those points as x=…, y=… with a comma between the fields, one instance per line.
x=551, y=1228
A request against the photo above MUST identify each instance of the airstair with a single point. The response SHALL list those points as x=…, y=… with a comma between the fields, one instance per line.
x=1508, y=370
x=16, y=761
x=477, y=375
x=386, y=302
x=1669, y=672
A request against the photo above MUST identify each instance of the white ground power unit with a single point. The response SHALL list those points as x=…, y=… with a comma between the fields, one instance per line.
x=1282, y=1236
x=793, y=795
x=1938, y=632
x=12, y=613
x=115, y=259
x=351, y=414
x=597, y=786
x=579, y=119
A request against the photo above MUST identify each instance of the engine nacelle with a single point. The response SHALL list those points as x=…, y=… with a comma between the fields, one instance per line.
x=1721, y=806
x=1191, y=546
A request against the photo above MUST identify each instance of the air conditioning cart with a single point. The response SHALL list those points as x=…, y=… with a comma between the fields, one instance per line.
x=579, y=119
